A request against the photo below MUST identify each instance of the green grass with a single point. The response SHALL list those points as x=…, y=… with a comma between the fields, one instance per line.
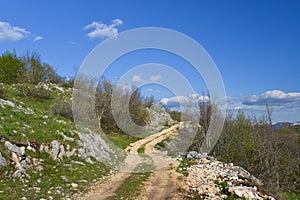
x=37, y=128
x=55, y=176
x=122, y=140
x=132, y=186
x=291, y=195
x=161, y=145
x=141, y=150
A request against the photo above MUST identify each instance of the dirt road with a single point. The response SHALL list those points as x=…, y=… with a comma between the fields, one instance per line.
x=162, y=184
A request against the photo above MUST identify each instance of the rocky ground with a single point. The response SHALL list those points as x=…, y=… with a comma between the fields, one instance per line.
x=209, y=178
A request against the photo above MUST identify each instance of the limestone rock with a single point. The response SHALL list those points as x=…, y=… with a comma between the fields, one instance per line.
x=212, y=179
x=55, y=149
x=13, y=148
x=247, y=192
x=74, y=185
x=3, y=162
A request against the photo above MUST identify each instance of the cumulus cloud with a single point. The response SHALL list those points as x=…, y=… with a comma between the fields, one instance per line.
x=15, y=33
x=101, y=30
x=155, y=77
x=12, y=33
x=275, y=98
x=137, y=79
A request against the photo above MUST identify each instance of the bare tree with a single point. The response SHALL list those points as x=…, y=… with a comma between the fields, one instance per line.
x=205, y=108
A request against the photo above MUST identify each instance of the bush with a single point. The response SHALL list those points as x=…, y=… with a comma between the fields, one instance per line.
x=62, y=108
x=33, y=92
x=3, y=94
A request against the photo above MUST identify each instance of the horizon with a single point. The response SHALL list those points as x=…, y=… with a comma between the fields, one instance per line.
x=255, y=45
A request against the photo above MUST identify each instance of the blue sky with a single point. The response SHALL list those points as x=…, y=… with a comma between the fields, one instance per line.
x=255, y=44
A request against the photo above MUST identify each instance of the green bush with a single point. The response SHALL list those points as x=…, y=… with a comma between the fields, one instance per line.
x=62, y=108
x=3, y=94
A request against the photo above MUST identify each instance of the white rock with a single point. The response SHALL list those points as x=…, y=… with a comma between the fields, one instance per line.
x=74, y=185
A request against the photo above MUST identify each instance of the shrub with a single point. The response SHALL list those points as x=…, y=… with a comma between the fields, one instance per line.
x=62, y=108
x=33, y=92
x=3, y=94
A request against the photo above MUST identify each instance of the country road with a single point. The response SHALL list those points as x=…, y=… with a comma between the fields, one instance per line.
x=162, y=183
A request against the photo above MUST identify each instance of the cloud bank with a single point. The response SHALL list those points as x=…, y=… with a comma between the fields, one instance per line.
x=101, y=30
x=273, y=97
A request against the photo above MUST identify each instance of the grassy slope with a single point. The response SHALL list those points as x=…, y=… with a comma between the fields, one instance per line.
x=41, y=127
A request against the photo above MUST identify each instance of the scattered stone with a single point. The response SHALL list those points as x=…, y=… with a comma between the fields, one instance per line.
x=242, y=191
x=13, y=148
x=39, y=168
x=74, y=185
x=3, y=162
x=42, y=146
x=77, y=162
x=71, y=153
x=212, y=179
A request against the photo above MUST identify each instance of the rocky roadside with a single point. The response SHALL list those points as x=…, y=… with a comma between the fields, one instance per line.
x=209, y=178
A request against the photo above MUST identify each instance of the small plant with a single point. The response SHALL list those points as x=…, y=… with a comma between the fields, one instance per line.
x=184, y=164
x=221, y=185
x=141, y=150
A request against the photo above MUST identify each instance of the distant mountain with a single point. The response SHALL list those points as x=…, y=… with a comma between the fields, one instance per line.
x=282, y=124
x=296, y=124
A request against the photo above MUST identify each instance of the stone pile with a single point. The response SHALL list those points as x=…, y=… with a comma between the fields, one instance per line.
x=212, y=179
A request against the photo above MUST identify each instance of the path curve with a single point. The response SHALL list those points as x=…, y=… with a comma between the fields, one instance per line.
x=161, y=184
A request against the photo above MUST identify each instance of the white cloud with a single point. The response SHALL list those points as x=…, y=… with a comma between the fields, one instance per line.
x=153, y=91
x=12, y=33
x=274, y=98
x=101, y=30
x=15, y=33
x=137, y=79
x=38, y=38
x=175, y=102
x=155, y=77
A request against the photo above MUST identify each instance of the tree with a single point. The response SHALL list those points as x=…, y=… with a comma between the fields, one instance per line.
x=35, y=71
x=205, y=108
x=11, y=68
x=102, y=103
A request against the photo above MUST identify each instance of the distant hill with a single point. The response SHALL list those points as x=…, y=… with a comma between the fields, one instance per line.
x=282, y=124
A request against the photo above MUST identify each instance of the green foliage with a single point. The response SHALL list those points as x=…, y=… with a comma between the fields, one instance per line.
x=175, y=115
x=62, y=108
x=221, y=185
x=103, y=101
x=26, y=69
x=3, y=94
x=184, y=164
x=271, y=155
x=141, y=150
x=11, y=68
